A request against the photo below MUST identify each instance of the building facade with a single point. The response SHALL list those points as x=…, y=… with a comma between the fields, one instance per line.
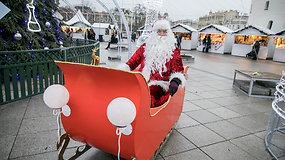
x=268, y=14
x=231, y=19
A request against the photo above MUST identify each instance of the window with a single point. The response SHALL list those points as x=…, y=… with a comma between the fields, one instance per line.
x=269, y=25
x=266, y=5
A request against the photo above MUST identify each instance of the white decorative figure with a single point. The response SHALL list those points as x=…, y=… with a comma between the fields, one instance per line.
x=56, y=96
x=32, y=18
x=121, y=112
x=152, y=7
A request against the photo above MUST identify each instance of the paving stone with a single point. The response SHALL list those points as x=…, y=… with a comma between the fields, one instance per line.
x=203, y=116
x=208, y=95
x=248, y=124
x=226, y=151
x=224, y=112
x=91, y=154
x=255, y=147
x=6, y=143
x=193, y=154
x=206, y=104
x=242, y=109
x=224, y=101
x=176, y=144
x=262, y=118
x=204, y=88
x=200, y=135
x=9, y=127
x=188, y=106
x=14, y=110
x=185, y=121
x=226, y=129
x=37, y=108
x=34, y=144
x=34, y=125
x=190, y=96
x=262, y=106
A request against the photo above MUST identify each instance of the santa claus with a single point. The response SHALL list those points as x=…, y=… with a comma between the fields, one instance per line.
x=160, y=62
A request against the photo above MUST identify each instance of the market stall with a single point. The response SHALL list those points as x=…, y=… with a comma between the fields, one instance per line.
x=103, y=31
x=245, y=37
x=220, y=37
x=279, y=41
x=189, y=36
x=78, y=24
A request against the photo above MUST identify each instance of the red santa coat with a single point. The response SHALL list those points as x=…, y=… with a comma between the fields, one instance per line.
x=159, y=84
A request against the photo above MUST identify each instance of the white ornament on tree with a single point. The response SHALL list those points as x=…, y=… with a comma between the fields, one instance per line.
x=47, y=24
x=18, y=36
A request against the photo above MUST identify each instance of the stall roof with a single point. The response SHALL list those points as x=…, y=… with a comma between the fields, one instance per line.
x=186, y=27
x=141, y=28
x=101, y=25
x=58, y=15
x=219, y=28
x=254, y=30
x=78, y=18
x=281, y=33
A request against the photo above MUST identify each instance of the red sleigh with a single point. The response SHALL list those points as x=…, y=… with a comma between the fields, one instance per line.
x=92, y=88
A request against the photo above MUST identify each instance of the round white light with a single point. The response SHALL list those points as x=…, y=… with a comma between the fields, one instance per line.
x=121, y=112
x=56, y=96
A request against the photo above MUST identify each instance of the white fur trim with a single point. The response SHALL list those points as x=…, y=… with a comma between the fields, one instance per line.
x=162, y=84
x=161, y=24
x=180, y=76
x=124, y=66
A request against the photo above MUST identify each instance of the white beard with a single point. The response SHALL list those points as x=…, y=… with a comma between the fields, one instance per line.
x=158, y=51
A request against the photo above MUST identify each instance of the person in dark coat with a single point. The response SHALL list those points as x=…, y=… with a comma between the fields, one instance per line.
x=208, y=43
x=204, y=42
x=134, y=36
x=255, y=49
x=179, y=39
x=113, y=40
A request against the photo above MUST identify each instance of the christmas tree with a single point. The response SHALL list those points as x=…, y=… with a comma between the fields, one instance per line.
x=14, y=33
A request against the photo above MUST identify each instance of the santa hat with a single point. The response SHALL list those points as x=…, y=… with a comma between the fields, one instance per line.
x=161, y=24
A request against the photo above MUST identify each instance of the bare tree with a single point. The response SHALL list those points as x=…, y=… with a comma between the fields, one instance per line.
x=139, y=13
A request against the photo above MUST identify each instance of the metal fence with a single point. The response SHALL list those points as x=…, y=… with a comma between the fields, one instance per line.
x=27, y=73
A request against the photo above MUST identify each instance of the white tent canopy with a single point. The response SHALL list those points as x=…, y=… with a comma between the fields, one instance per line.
x=254, y=30
x=183, y=26
x=78, y=20
x=101, y=25
x=280, y=34
x=215, y=29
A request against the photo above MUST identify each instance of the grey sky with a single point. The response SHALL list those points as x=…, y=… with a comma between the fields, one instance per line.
x=178, y=9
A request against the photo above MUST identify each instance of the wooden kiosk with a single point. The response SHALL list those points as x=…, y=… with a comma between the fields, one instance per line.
x=279, y=41
x=245, y=37
x=221, y=38
x=189, y=36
